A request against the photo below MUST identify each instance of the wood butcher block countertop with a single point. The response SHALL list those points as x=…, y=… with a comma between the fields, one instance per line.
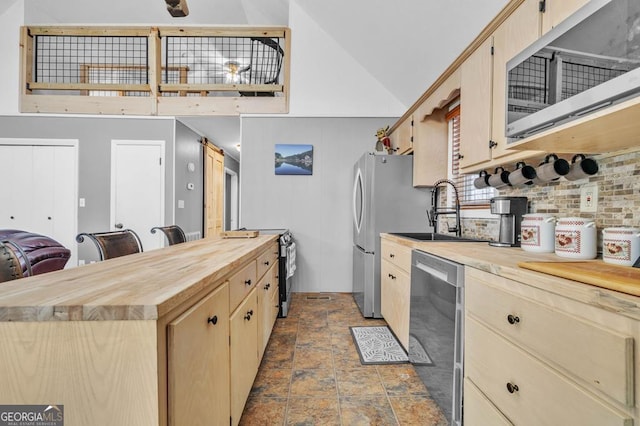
x=141, y=286
x=503, y=261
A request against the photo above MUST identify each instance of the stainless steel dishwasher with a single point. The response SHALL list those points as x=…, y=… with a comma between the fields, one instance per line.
x=436, y=329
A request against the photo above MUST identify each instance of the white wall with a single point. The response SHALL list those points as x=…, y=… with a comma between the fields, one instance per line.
x=326, y=81
x=316, y=208
x=10, y=22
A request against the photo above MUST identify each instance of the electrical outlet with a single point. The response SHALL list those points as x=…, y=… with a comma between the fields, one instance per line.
x=589, y=198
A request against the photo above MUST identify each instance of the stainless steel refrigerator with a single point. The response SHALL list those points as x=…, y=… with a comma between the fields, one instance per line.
x=384, y=200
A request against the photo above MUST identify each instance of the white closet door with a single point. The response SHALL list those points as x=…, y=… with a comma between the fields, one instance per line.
x=40, y=192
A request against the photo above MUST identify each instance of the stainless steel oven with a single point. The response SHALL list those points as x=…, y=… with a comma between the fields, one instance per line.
x=436, y=329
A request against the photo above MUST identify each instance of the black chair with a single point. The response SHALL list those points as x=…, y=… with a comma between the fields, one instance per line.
x=115, y=243
x=174, y=234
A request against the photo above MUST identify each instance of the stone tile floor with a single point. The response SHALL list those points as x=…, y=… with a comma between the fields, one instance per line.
x=311, y=373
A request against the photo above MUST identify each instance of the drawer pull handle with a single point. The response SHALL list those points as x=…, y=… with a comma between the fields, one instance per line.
x=391, y=255
x=393, y=277
x=512, y=388
x=248, y=282
x=513, y=319
x=213, y=320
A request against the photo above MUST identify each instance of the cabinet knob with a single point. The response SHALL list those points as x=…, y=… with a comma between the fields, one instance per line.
x=266, y=287
x=513, y=319
x=49, y=217
x=213, y=320
x=248, y=282
x=460, y=156
x=512, y=387
x=393, y=277
x=492, y=144
x=248, y=316
x=266, y=263
x=391, y=255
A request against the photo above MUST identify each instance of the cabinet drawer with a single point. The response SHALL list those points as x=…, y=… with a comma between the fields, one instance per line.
x=267, y=259
x=478, y=410
x=241, y=283
x=395, y=298
x=397, y=254
x=527, y=391
x=602, y=358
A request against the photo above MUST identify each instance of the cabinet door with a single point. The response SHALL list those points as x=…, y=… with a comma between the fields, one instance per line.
x=402, y=137
x=265, y=289
x=557, y=10
x=244, y=353
x=198, y=358
x=475, y=106
x=517, y=32
x=395, y=299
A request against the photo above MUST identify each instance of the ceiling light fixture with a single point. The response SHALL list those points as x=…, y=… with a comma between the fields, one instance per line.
x=177, y=8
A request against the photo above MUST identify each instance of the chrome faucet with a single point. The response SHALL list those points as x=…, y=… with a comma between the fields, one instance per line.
x=435, y=211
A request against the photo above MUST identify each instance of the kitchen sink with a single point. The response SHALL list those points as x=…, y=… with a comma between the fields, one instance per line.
x=431, y=236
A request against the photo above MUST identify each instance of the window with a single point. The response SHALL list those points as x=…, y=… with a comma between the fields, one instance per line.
x=470, y=196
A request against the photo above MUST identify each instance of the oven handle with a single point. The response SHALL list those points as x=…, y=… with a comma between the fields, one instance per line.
x=443, y=276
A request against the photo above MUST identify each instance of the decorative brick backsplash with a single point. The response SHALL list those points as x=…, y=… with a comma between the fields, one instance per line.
x=618, y=182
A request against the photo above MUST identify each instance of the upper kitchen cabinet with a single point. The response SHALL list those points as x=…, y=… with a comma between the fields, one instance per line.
x=483, y=86
x=555, y=11
x=402, y=137
x=431, y=133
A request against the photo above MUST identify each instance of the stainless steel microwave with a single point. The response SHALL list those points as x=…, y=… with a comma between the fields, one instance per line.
x=589, y=61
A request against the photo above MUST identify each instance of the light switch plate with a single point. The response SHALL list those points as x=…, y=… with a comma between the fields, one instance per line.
x=589, y=198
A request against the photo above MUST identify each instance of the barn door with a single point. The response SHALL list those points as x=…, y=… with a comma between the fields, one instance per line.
x=213, y=190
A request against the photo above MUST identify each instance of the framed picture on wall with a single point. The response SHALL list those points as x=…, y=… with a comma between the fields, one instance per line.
x=293, y=159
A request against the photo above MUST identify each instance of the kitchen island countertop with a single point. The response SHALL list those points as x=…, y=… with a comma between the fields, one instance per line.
x=503, y=261
x=142, y=286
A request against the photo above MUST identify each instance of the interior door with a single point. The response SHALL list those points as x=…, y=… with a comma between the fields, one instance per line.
x=213, y=190
x=41, y=195
x=137, y=189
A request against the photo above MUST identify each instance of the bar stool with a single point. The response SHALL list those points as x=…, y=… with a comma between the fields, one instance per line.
x=114, y=243
x=174, y=234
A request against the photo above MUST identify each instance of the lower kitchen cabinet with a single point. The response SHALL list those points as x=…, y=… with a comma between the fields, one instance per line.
x=395, y=289
x=542, y=359
x=478, y=410
x=267, y=306
x=243, y=325
x=198, y=362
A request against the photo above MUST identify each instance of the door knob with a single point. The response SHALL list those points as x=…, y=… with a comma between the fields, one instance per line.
x=119, y=226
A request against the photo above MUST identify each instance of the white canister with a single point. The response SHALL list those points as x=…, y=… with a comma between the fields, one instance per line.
x=621, y=245
x=537, y=233
x=576, y=238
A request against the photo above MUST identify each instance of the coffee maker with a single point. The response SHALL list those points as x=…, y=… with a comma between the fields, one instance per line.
x=511, y=210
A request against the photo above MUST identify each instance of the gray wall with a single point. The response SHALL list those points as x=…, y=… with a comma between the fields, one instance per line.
x=94, y=136
x=188, y=150
x=316, y=208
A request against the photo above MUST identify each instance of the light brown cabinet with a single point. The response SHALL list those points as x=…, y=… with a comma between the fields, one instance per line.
x=267, y=306
x=243, y=325
x=402, y=137
x=198, y=362
x=483, y=90
x=556, y=11
x=431, y=133
x=526, y=349
x=395, y=288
